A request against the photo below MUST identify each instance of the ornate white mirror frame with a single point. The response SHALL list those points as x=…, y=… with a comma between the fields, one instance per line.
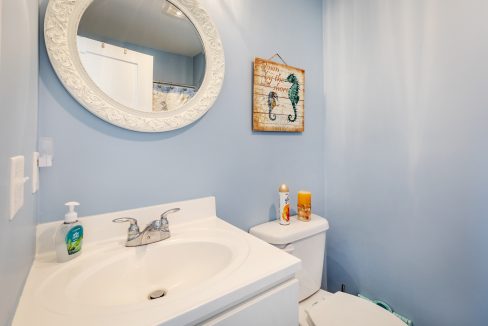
x=60, y=31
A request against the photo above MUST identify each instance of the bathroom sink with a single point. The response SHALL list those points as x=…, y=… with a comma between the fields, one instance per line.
x=171, y=268
x=206, y=267
x=115, y=275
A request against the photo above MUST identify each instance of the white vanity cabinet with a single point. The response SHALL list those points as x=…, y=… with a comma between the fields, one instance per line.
x=277, y=306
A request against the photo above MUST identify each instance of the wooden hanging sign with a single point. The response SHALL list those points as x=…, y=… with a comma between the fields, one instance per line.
x=278, y=97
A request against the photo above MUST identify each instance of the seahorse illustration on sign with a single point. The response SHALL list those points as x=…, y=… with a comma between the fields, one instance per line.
x=272, y=103
x=278, y=97
x=293, y=95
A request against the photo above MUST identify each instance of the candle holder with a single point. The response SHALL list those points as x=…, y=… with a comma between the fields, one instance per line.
x=304, y=205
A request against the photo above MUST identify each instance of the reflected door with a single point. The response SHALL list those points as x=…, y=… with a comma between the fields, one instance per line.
x=124, y=75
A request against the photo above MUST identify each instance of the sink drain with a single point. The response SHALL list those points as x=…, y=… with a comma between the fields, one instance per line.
x=157, y=294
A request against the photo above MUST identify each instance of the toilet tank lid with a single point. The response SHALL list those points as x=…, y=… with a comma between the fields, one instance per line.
x=275, y=233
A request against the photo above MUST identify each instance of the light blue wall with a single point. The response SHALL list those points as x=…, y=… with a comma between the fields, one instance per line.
x=107, y=168
x=407, y=155
x=18, y=131
x=169, y=67
x=198, y=69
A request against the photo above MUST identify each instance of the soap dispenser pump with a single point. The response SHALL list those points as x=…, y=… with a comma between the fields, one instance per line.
x=69, y=236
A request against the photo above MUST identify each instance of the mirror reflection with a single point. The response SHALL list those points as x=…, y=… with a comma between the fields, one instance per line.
x=144, y=54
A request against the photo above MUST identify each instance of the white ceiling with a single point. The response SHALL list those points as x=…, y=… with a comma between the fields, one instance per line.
x=142, y=22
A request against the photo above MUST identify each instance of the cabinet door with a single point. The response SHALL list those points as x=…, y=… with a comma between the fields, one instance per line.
x=277, y=306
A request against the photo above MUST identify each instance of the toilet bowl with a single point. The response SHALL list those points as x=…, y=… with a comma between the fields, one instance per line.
x=306, y=240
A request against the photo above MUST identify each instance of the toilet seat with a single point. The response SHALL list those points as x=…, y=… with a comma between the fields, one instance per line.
x=341, y=309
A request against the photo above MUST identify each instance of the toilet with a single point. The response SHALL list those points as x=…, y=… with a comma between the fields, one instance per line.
x=306, y=241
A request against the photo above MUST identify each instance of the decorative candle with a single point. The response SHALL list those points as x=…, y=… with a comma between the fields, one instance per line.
x=304, y=205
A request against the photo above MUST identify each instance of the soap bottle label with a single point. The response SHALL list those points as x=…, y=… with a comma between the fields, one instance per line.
x=74, y=239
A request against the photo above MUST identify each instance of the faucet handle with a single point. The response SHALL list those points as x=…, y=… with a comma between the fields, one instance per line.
x=164, y=220
x=132, y=220
x=133, y=227
x=169, y=211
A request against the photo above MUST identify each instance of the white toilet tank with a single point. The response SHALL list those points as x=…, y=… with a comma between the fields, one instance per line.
x=305, y=240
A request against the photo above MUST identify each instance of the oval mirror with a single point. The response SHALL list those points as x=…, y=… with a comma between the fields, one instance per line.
x=144, y=65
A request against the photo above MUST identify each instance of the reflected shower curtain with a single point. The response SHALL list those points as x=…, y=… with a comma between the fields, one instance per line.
x=169, y=97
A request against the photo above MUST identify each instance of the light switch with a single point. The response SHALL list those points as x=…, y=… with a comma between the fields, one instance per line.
x=17, y=181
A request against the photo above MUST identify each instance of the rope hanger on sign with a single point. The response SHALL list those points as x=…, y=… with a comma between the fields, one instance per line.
x=279, y=56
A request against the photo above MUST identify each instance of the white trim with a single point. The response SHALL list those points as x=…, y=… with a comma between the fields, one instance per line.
x=60, y=30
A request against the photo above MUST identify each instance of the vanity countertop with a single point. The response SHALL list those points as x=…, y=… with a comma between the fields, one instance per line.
x=207, y=266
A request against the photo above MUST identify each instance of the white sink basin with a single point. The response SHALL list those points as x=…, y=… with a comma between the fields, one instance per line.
x=114, y=275
x=173, y=267
x=205, y=267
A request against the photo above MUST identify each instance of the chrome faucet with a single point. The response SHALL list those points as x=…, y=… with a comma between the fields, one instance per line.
x=156, y=231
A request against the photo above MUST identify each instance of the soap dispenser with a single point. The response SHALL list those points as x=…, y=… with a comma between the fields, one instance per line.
x=69, y=236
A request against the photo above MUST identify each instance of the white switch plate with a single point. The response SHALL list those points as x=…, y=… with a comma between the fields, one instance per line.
x=46, y=149
x=17, y=181
x=35, y=172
